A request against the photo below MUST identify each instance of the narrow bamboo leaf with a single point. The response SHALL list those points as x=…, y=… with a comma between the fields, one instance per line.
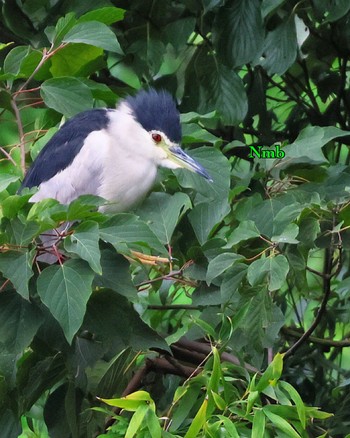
x=153, y=424
x=136, y=421
x=198, y=421
x=162, y=211
x=66, y=95
x=19, y=321
x=272, y=373
x=130, y=402
x=94, y=33
x=188, y=399
x=84, y=242
x=17, y=267
x=294, y=395
x=252, y=398
x=281, y=423
x=65, y=290
x=258, y=429
x=229, y=426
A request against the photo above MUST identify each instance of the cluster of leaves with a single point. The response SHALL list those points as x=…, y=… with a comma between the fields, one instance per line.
x=256, y=261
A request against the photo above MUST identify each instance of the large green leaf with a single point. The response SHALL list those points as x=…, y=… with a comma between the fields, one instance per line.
x=220, y=264
x=19, y=321
x=234, y=25
x=6, y=179
x=84, y=242
x=280, y=48
x=65, y=290
x=129, y=229
x=219, y=170
x=307, y=148
x=117, y=325
x=206, y=216
x=275, y=268
x=116, y=274
x=107, y=15
x=94, y=33
x=66, y=95
x=162, y=211
x=76, y=60
x=17, y=267
x=220, y=88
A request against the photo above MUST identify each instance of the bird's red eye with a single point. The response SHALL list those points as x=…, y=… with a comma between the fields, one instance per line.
x=157, y=137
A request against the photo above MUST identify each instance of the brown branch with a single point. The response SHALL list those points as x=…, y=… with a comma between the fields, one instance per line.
x=327, y=342
x=322, y=308
x=205, y=348
x=21, y=133
x=8, y=156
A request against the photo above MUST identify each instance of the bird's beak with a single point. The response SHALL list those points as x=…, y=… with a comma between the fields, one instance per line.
x=179, y=157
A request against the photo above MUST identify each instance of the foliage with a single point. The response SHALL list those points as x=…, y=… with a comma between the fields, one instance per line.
x=171, y=312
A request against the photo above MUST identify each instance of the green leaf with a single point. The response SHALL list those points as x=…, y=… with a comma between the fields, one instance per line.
x=275, y=268
x=218, y=168
x=205, y=217
x=130, y=402
x=84, y=242
x=198, y=421
x=129, y=229
x=116, y=274
x=94, y=33
x=13, y=60
x=116, y=324
x=294, y=395
x=307, y=148
x=76, y=60
x=107, y=15
x=220, y=88
x=246, y=230
x=153, y=424
x=66, y=95
x=162, y=211
x=258, y=429
x=280, y=48
x=136, y=421
x=6, y=179
x=236, y=47
x=281, y=423
x=22, y=233
x=17, y=267
x=288, y=235
x=272, y=373
x=19, y=321
x=65, y=290
x=220, y=264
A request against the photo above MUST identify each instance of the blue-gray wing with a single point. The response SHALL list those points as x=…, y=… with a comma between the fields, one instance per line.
x=61, y=150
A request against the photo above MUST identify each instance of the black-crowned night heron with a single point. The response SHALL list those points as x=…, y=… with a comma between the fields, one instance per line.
x=112, y=153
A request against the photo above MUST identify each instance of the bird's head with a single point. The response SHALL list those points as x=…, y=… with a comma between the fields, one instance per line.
x=156, y=112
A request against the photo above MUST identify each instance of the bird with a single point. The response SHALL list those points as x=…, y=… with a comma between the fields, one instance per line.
x=113, y=153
